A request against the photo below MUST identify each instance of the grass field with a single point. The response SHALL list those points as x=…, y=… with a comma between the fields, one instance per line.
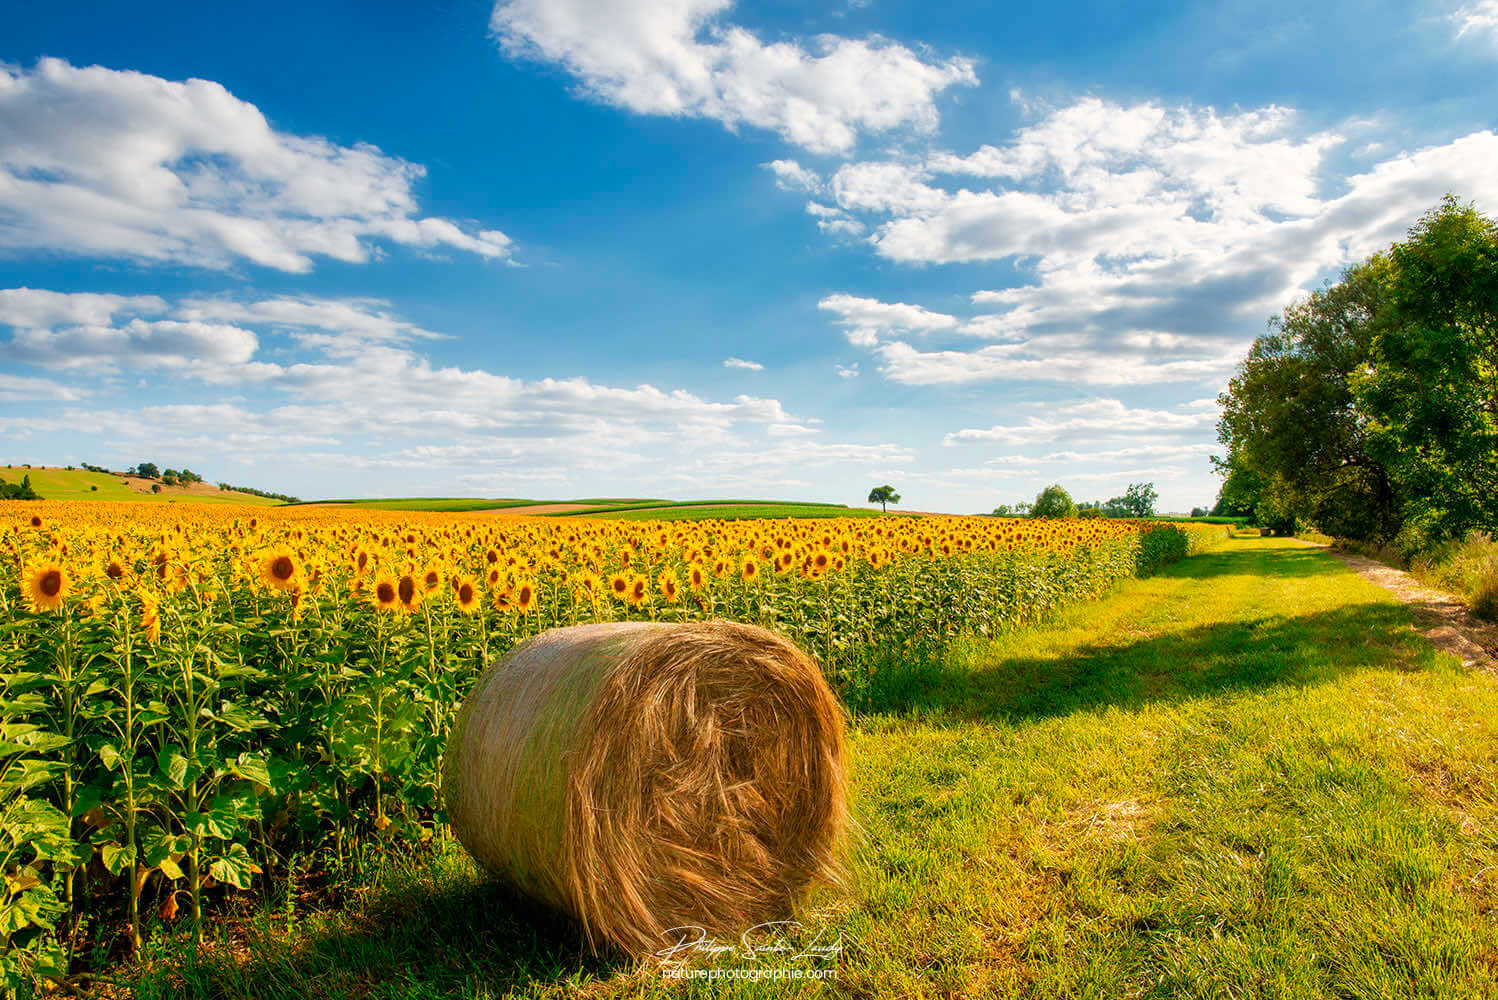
x=77, y=484
x=629, y=509
x=1244, y=777
x=448, y=504
x=729, y=511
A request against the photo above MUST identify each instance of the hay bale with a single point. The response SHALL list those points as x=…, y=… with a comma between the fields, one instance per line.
x=645, y=776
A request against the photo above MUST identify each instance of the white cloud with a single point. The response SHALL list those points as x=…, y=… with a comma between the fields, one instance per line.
x=792, y=176
x=205, y=349
x=1094, y=417
x=1477, y=18
x=1030, y=361
x=682, y=57
x=105, y=163
x=1155, y=240
x=353, y=394
x=753, y=366
x=867, y=320
x=833, y=220
x=26, y=389
x=849, y=371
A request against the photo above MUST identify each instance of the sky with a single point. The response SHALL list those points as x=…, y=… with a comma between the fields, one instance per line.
x=696, y=248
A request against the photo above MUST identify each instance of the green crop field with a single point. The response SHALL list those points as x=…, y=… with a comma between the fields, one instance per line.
x=78, y=484
x=449, y=504
x=729, y=511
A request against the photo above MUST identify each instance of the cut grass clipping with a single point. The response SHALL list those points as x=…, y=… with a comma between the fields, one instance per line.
x=643, y=776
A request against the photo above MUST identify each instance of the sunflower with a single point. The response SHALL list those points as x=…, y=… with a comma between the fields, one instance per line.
x=525, y=596
x=46, y=586
x=36, y=521
x=382, y=595
x=589, y=586
x=150, y=616
x=749, y=570
x=466, y=593
x=114, y=569
x=639, y=591
x=278, y=569
x=668, y=585
x=431, y=579
x=408, y=592
x=619, y=586
x=696, y=577
x=504, y=601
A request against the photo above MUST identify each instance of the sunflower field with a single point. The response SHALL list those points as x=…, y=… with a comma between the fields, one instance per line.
x=197, y=701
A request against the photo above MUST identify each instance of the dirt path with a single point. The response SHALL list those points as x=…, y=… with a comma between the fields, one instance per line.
x=1444, y=618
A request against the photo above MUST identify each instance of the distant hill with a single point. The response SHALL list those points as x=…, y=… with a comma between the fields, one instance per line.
x=55, y=483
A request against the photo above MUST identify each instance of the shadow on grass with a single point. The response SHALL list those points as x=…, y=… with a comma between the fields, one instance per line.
x=431, y=928
x=977, y=680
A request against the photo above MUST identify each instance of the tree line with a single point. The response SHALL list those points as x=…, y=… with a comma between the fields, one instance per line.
x=1054, y=501
x=1370, y=408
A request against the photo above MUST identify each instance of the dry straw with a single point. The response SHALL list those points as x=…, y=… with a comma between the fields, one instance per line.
x=644, y=776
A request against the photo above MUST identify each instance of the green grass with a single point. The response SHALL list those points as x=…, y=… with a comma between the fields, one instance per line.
x=77, y=484
x=448, y=504
x=730, y=511
x=1245, y=777
x=635, y=505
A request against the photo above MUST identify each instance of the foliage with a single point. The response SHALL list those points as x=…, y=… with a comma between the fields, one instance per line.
x=1053, y=501
x=884, y=496
x=195, y=697
x=18, y=491
x=1371, y=408
x=284, y=498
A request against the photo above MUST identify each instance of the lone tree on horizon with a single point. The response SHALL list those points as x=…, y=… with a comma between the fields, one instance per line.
x=884, y=496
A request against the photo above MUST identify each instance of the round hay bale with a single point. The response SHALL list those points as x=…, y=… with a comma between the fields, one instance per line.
x=645, y=776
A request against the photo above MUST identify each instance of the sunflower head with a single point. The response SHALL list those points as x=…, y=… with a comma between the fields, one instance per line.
x=279, y=569
x=619, y=586
x=639, y=591
x=408, y=592
x=525, y=596
x=46, y=586
x=383, y=594
x=466, y=594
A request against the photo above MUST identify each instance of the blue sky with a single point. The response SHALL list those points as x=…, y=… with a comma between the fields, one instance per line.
x=696, y=248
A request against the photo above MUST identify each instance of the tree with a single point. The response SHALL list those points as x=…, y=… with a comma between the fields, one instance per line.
x=1296, y=437
x=1431, y=392
x=884, y=496
x=1198, y=512
x=1053, y=501
x=146, y=470
x=1139, y=499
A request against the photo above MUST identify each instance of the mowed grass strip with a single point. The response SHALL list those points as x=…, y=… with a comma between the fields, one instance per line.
x=1245, y=777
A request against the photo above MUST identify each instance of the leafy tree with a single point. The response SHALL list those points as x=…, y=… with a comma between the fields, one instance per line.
x=884, y=496
x=1297, y=440
x=1431, y=393
x=1198, y=512
x=1053, y=501
x=1372, y=407
x=23, y=491
x=146, y=470
x=1139, y=499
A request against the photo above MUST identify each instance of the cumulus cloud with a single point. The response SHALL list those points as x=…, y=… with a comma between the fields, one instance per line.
x=349, y=390
x=106, y=163
x=752, y=366
x=792, y=176
x=683, y=57
x=867, y=320
x=1094, y=417
x=1151, y=241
